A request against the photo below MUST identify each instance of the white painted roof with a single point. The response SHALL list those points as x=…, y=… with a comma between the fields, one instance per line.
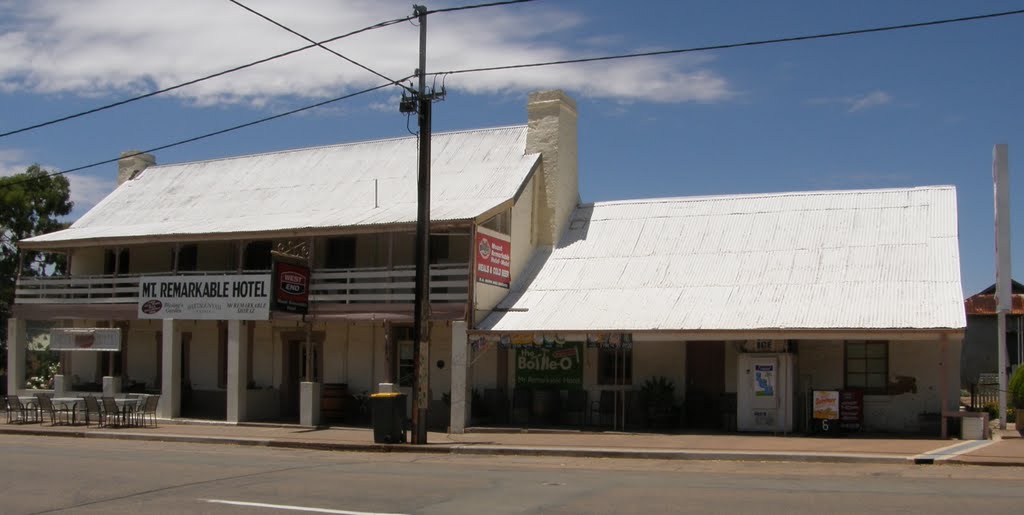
x=324, y=187
x=878, y=259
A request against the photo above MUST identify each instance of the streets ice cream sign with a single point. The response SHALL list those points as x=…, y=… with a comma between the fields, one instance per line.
x=493, y=260
x=211, y=297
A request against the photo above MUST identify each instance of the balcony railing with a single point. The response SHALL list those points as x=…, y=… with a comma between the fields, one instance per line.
x=448, y=284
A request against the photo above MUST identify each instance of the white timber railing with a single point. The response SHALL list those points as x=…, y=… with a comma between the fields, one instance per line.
x=448, y=284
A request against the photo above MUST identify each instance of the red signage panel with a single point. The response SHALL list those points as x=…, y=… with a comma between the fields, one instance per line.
x=291, y=288
x=493, y=260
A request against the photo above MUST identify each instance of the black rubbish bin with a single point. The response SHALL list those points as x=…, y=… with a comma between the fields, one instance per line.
x=388, y=411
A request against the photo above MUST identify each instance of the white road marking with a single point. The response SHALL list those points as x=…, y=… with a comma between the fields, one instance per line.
x=952, y=451
x=293, y=508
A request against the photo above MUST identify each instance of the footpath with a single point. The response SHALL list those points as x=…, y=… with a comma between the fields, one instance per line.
x=1006, y=448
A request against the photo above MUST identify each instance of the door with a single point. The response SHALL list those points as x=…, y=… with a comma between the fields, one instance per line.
x=295, y=362
x=705, y=383
x=406, y=372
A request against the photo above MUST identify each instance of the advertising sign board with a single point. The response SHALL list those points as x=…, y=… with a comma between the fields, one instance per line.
x=206, y=297
x=493, y=260
x=86, y=339
x=291, y=288
x=558, y=366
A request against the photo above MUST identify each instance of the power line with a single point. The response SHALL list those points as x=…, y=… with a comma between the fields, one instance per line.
x=251, y=64
x=744, y=44
x=477, y=6
x=261, y=15
x=214, y=133
x=200, y=79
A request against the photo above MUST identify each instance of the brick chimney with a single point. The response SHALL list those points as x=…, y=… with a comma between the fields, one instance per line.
x=131, y=163
x=552, y=133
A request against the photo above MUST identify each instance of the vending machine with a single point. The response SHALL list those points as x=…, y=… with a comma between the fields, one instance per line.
x=764, y=392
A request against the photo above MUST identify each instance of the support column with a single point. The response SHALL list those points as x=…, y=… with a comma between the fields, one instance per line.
x=238, y=380
x=460, y=373
x=309, y=400
x=170, y=389
x=17, y=339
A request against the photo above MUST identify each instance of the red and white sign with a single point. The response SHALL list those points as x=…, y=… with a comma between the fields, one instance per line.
x=493, y=260
x=291, y=288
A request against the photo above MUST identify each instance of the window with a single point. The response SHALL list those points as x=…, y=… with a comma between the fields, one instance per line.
x=341, y=252
x=121, y=262
x=406, y=352
x=615, y=366
x=440, y=247
x=188, y=258
x=257, y=255
x=867, y=366
x=500, y=222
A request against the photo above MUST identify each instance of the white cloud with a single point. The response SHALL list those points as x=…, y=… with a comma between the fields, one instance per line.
x=87, y=191
x=12, y=161
x=873, y=99
x=90, y=47
x=857, y=103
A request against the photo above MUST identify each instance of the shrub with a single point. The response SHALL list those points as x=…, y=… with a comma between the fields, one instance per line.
x=1015, y=391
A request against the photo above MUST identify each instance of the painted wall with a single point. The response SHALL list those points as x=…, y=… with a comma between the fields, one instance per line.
x=264, y=356
x=87, y=261
x=142, y=355
x=820, y=365
x=155, y=259
x=522, y=241
x=203, y=353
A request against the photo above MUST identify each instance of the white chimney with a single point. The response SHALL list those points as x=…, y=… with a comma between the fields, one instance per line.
x=552, y=133
x=131, y=163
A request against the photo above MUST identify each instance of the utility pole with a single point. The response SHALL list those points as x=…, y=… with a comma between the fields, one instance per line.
x=420, y=103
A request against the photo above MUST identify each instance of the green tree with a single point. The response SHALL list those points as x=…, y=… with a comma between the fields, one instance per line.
x=31, y=204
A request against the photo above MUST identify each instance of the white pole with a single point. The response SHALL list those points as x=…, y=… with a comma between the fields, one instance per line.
x=1001, y=180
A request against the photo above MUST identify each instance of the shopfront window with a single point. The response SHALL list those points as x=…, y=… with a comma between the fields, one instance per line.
x=867, y=366
x=615, y=366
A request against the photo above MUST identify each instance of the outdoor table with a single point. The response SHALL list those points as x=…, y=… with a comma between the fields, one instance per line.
x=71, y=403
x=126, y=406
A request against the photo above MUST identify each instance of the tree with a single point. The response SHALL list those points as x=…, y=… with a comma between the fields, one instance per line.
x=31, y=204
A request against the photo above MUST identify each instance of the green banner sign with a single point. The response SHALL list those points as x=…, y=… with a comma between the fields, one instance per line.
x=559, y=367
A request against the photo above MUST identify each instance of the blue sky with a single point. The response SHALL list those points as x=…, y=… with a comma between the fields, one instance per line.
x=907, y=108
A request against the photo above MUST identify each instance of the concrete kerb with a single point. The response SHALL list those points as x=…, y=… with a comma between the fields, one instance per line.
x=481, y=450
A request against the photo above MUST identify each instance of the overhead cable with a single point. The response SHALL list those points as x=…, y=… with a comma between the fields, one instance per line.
x=738, y=45
x=200, y=79
x=251, y=64
x=275, y=22
x=211, y=134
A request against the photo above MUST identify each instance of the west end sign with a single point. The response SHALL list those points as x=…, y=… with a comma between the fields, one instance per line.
x=208, y=297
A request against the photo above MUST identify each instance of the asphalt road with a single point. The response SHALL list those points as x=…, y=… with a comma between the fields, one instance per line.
x=54, y=475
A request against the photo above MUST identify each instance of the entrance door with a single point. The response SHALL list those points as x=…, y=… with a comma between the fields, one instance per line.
x=705, y=383
x=406, y=372
x=294, y=359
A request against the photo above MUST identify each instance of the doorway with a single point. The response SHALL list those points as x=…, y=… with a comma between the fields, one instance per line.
x=705, y=383
x=295, y=354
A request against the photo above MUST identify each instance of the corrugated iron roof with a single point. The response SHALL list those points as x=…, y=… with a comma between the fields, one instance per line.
x=874, y=259
x=347, y=185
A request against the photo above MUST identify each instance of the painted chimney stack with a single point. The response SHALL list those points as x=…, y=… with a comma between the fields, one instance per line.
x=131, y=163
x=552, y=133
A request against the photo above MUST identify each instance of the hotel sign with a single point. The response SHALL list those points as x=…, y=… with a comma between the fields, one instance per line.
x=291, y=288
x=207, y=297
x=493, y=260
